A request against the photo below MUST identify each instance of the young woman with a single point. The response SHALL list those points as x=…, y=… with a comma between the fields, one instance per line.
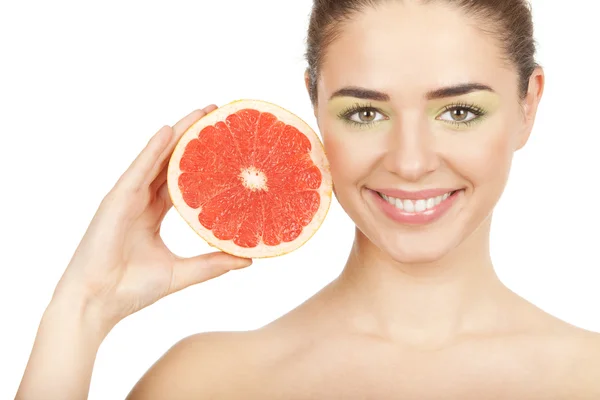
x=421, y=105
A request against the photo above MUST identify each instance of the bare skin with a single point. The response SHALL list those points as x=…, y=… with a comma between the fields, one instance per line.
x=120, y=266
x=417, y=313
x=326, y=348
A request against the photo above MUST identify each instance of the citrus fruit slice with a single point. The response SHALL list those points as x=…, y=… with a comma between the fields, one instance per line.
x=251, y=179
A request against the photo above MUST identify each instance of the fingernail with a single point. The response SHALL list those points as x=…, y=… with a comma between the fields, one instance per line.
x=242, y=262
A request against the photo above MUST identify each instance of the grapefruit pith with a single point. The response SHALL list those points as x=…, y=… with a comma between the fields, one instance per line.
x=251, y=179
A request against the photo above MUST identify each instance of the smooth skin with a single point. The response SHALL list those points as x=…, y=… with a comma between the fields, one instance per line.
x=418, y=311
x=121, y=266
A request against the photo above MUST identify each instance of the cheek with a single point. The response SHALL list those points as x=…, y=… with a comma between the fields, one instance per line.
x=350, y=158
x=485, y=157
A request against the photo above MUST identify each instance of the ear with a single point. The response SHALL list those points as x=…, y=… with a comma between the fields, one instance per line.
x=307, y=84
x=307, y=80
x=530, y=104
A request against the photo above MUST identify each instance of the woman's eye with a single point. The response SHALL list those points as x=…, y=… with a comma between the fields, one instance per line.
x=365, y=116
x=459, y=114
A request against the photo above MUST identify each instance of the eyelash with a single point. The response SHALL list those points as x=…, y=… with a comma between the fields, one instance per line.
x=469, y=107
x=353, y=109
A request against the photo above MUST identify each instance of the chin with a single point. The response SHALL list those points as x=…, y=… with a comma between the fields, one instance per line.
x=428, y=243
x=411, y=249
x=425, y=244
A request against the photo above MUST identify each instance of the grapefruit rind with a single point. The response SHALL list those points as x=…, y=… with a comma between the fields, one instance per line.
x=190, y=215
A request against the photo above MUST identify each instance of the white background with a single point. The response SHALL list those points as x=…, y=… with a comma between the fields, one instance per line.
x=83, y=85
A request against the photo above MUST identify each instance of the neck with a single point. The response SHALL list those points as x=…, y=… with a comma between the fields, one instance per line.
x=424, y=304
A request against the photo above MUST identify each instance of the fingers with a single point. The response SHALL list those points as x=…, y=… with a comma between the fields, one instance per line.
x=178, y=130
x=164, y=195
x=164, y=198
x=153, y=158
x=159, y=181
x=187, y=121
x=190, y=271
x=139, y=169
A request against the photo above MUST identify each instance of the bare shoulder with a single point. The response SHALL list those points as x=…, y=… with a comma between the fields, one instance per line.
x=584, y=375
x=231, y=365
x=211, y=365
x=574, y=354
x=562, y=358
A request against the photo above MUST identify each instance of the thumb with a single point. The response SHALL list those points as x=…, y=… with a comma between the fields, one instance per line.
x=193, y=270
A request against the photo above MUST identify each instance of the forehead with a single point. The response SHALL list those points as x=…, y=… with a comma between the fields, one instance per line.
x=407, y=49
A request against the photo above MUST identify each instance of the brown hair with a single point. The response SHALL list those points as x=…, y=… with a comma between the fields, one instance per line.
x=511, y=23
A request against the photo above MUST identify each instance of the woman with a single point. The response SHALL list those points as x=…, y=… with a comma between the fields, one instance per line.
x=429, y=100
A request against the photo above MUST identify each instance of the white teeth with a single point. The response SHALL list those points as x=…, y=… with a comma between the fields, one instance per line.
x=416, y=206
x=398, y=203
x=420, y=205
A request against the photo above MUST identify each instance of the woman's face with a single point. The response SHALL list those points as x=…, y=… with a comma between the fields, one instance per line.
x=420, y=116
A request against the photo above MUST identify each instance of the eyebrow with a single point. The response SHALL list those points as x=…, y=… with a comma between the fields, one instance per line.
x=361, y=93
x=449, y=91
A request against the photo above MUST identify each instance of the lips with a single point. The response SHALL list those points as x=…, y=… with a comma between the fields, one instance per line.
x=417, y=204
x=416, y=208
x=418, y=195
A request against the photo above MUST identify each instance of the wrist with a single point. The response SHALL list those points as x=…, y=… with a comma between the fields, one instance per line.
x=65, y=348
x=74, y=309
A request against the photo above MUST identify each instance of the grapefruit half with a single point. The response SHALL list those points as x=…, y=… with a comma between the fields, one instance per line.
x=251, y=179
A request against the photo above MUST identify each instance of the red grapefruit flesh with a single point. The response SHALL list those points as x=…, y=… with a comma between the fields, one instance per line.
x=251, y=179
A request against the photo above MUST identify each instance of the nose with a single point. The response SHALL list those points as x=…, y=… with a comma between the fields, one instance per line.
x=411, y=152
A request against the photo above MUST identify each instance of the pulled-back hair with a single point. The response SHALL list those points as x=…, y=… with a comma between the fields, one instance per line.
x=509, y=21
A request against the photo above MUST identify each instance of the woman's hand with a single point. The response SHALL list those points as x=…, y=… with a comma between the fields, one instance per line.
x=122, y=265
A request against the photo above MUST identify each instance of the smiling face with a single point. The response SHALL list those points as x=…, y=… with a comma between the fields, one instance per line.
x=414, y=101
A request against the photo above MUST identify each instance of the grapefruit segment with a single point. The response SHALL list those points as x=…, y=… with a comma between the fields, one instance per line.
x=242, y=126
x=251, y=179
